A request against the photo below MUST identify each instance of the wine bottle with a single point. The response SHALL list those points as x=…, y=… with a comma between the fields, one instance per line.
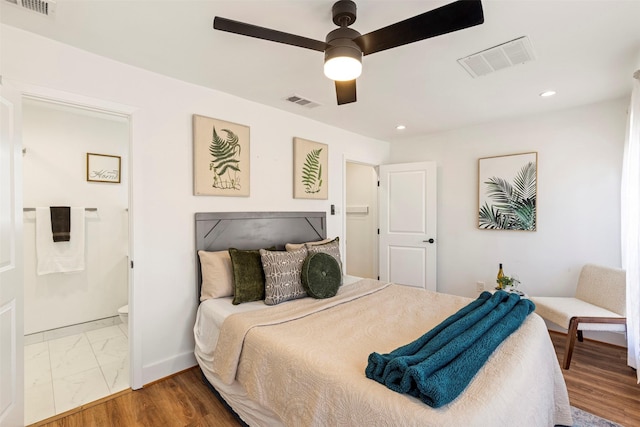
x=500, y=276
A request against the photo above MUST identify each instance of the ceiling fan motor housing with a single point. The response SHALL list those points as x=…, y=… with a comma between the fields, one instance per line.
x=341, y=43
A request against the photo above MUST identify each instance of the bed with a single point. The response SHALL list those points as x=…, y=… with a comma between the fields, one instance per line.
x=302, y=361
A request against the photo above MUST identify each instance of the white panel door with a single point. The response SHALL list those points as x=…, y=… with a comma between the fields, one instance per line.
x=11, y=299
x=408, y=224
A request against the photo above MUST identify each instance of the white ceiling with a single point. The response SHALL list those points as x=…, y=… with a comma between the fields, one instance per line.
x=585, y=50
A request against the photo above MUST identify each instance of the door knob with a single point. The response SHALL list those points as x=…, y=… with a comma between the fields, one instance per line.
x=429, y=241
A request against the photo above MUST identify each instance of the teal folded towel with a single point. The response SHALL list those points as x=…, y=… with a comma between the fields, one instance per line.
x=407, y=354
x=452, y=341
x=445, y=359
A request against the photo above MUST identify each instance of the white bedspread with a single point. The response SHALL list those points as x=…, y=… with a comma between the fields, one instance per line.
x=308, y=368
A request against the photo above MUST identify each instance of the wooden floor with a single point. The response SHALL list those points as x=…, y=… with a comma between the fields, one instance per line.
x=178, y=401
x=599, y=382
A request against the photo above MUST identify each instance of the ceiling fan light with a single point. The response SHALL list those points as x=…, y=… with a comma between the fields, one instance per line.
x=343, y=57
x=342, y=68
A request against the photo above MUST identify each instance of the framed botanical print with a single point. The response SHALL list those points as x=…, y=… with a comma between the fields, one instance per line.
x=507, y=192
x=310, y=169
x=220, y=158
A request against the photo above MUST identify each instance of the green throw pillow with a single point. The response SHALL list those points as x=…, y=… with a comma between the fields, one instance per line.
x=248, y=276
x=321, y=275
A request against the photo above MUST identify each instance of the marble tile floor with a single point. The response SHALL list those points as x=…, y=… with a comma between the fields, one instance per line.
x=65, y=373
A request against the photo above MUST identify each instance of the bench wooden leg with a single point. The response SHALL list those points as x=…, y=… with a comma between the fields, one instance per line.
x=573, y=331
x=571, y=341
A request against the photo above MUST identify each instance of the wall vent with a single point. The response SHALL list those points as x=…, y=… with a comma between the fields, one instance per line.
x=505, y=55
x=43, y=7
x=303, y=102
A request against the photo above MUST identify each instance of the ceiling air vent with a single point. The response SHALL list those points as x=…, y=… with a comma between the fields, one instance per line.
x=304, y=102
x=43, y=7
x=496, y=58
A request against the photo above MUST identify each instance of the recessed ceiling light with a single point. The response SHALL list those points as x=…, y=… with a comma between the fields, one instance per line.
x=547, y=93
x=401, y=127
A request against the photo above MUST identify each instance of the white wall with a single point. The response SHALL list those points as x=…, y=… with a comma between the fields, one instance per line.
x=579, y=169
x=163, y=204
x=56, y=140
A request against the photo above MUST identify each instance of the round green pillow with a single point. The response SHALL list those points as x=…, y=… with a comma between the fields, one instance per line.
x=321, y=275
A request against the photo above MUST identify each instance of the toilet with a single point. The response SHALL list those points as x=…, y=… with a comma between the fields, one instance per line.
x=123, y=312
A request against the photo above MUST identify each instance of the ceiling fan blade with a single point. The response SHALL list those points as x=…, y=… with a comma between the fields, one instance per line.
x=346, y=91
x=250, y=30
x=446, y=19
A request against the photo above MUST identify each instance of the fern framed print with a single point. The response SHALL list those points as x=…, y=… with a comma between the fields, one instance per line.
x=310, y=169
x=507, y=192
x=220, y=158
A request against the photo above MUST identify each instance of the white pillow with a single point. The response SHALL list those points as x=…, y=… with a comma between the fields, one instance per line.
x=217, y=275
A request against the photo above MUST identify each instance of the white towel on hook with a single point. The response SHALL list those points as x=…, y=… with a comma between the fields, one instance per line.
x=59, y=257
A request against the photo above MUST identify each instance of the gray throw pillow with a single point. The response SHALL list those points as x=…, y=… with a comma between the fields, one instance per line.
x=282, y=275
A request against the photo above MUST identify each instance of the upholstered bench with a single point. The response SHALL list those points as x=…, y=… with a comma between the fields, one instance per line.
x=599, y=305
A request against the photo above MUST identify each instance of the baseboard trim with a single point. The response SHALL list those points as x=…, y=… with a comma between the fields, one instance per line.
x=167, y=367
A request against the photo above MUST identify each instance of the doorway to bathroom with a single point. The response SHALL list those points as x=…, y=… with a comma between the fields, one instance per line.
x=75, y=312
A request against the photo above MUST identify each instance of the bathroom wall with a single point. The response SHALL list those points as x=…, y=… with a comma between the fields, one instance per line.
x=57, y=139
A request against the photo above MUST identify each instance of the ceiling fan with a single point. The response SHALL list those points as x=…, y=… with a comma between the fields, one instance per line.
x=345, y=46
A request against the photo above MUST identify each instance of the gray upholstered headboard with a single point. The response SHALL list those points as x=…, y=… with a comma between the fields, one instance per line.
x=219, y=231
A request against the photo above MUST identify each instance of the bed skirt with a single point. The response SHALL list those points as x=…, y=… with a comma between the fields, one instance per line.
x=249, y=412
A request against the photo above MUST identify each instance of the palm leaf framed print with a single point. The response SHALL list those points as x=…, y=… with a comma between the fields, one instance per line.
x=507, y=192
x=220, y=157
x=310, y=169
